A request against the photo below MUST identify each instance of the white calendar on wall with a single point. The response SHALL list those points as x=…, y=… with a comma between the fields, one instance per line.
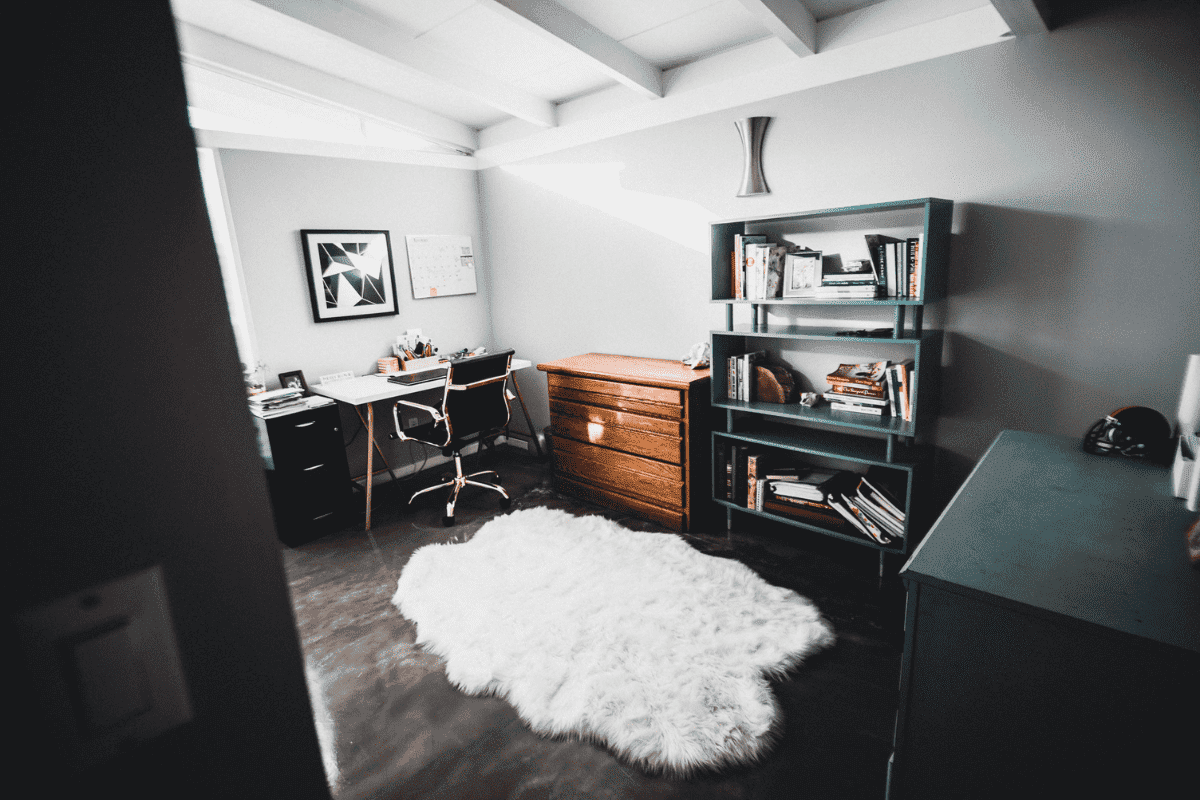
x=440, y=265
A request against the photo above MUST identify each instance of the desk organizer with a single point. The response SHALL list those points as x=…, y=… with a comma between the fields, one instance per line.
x=414, y=364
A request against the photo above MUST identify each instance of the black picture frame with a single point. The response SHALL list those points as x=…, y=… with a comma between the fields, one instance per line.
x=296, y=377
x=350, y=274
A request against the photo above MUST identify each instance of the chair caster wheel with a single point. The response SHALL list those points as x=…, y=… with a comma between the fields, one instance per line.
x=447, y=521
x=505, y=502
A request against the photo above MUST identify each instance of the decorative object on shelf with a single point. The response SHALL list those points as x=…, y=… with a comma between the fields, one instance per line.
x=349, y=274
x=809, y=399
x=534, y=637
x=801, y=273
x=255, y=378
x=1132, y=431
x=775, y=384
x=698, y=356
x=293, y=380
x=752, y=130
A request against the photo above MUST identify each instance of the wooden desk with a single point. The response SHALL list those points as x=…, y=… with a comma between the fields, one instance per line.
x=632, y=433
x=1052, y=633
x=367, y=390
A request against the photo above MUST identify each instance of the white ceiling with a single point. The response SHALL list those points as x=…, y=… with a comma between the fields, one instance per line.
x=475, y=83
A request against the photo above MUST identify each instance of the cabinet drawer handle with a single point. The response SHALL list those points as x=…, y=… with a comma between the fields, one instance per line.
x=323, y=516
x=315, y=466
x=306, y=424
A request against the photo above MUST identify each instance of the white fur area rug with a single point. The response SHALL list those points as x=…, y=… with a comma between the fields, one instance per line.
x=632, y=639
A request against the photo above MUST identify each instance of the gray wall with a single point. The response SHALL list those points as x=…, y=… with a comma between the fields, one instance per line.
x=273, y=196
x=1071, y=158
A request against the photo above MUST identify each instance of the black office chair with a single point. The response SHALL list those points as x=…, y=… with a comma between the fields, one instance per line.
x=474, y=408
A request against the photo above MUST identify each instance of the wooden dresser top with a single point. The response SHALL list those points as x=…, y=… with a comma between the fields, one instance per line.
x=628, y=369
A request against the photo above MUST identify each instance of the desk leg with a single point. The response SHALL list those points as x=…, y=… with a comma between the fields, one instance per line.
x=375, y=445
x=528, y=421
x=370, y=453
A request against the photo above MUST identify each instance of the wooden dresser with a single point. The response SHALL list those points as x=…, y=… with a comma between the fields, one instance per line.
x=632, y=433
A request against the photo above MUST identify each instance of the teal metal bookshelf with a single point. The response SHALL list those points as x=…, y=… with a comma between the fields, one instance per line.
x=820, y=436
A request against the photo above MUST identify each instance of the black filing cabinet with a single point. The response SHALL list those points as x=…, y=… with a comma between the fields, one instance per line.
x=307, y=473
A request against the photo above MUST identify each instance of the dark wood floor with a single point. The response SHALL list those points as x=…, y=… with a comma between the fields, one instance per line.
x=393, y=727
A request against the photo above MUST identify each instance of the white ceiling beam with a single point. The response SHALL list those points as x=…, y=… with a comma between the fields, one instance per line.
x=227, y=56
x=228, y=140
x=769, y=71
x=370, y=33
x=553, y=22
x=790, y=21
x=1024, y=16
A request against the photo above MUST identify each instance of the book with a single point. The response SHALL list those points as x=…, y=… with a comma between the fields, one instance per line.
x=827, y=518
x=848, y=272
x=776, y=257
x=872, y=530
x=886, y=522
x=836, y=504
x=902, y=372
x=876, y=248
x=876, y=411
x=857, y=399
x=812, y=485
x=740, y=240
x=866, y=374
x=754, y=463
x=833, y=292
x=857, y=389
x=746, y=374
x=914, y=263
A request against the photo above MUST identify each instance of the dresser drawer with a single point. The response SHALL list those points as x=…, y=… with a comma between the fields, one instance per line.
x=621, y=472
x=673, y=518
x=615, y=389
x=612, y=418
x=650, y=445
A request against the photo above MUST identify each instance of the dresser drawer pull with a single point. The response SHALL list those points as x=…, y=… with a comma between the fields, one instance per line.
x=306, y=424
x=315, y=466
x=323, y=516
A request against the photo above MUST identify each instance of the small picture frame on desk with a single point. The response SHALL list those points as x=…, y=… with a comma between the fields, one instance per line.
x=293, y=380
x=349, y=274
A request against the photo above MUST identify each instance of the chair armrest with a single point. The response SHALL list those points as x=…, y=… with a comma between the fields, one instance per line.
x=436, y=413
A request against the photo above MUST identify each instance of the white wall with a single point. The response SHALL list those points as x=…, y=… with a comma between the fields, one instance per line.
x=273, y=196
x=1071, y=158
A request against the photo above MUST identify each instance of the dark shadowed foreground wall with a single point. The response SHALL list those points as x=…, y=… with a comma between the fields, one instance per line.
x=129, y=440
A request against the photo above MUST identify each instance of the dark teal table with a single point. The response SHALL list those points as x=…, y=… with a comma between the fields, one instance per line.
x=1052, y=633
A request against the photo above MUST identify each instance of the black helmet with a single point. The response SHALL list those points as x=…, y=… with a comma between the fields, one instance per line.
x=1133, y=431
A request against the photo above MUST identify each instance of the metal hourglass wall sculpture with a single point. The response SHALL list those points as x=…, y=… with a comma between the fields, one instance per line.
x=752, y=130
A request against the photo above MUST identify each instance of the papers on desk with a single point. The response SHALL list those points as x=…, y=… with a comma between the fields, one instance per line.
x=278, y=402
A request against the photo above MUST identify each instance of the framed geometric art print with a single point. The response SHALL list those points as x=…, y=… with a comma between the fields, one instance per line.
x=349, y=274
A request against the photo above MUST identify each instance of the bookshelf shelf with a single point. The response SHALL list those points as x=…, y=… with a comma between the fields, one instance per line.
x=818, y=436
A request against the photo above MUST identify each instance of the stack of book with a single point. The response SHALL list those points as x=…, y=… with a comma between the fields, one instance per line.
x=852, y=279
x=898, y=261
x=877, y=388
x=276, y=402
x=740, y=378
